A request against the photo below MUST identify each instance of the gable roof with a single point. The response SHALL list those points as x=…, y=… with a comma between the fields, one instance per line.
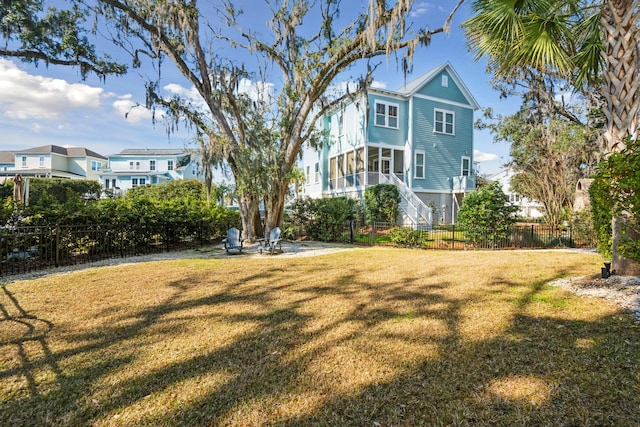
x=152, y=152
x=414, y=86
x=7, y=157
x=56, y=149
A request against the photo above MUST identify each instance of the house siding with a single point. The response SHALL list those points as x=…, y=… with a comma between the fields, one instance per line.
x=435, y=89
x=443, y=152
x=384, y=135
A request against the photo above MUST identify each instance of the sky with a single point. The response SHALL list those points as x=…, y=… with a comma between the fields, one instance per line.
x=43, y=105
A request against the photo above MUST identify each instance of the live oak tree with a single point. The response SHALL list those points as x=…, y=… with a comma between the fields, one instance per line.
x=595, y=40
x=52, y=36
x=261, y=139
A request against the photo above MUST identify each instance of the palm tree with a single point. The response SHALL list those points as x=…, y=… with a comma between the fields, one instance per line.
x=590, y=40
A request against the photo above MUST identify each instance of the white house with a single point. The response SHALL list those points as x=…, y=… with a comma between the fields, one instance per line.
x=136, y=167
x=527, y=208
x=419, y=138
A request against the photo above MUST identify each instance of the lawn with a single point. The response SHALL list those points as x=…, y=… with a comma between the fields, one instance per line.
x=370, y=337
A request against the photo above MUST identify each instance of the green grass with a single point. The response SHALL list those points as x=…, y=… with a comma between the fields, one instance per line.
x=376, y=336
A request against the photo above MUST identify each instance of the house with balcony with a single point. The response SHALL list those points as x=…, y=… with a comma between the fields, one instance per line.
x=419, y=138
x=52, y=161
x=138, y=167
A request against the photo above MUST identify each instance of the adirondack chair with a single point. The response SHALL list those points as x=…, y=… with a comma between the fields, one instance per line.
x=272, y=243
x=233, y=241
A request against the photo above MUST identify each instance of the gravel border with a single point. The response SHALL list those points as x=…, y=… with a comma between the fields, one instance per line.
x=623, y=290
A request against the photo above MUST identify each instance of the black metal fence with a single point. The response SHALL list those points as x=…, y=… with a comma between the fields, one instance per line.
x=530, y=236
x=27, y=249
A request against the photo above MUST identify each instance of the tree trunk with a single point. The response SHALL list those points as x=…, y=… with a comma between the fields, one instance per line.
x=619, y=21
x=274, y=206
x=250, y=215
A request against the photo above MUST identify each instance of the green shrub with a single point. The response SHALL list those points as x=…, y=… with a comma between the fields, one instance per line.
x=486, y=215
x=381, y=203
x=324, y=219
x=616, y=191
x=406, y=237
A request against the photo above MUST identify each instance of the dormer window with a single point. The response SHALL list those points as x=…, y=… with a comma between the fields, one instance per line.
x=386, y=114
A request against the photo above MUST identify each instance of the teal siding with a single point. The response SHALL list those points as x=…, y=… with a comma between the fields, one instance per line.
x=443, y=152
x=434, y=88
x=383, y=135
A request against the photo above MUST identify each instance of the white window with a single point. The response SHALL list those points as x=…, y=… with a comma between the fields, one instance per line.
x=152, y=165
x=445, y=81
x=131, y=165
x=143, y=181
x=341, y=124
x=419, y=165
x=466, y=166
x=386, y=115
x=137, y=165
x=444, y=122
x=24, y=161
x=170, y=165
x=307, y=176
x=317, y=173
x=41, y=161
x=95, y=165
x=134, y=182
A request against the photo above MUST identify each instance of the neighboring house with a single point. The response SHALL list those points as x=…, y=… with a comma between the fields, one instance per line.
x=419, y=138
x=136, y=167
x=7, y=161
x=527, y=208
x=52, y=161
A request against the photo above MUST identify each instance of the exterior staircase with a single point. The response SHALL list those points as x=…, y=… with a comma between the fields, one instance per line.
x=413, y=211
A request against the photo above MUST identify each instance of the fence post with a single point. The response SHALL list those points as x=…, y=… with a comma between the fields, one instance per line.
x=373, y=233
x=532, y=236
x=453, y=236
x=57, y=235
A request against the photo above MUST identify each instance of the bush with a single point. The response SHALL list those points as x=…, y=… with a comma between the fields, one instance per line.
x=615, y=192
x=324, y=219
x=381, y=203
x=486, y=215
x=406, y=237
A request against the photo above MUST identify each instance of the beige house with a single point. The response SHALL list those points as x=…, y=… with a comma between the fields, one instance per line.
x=52, y=161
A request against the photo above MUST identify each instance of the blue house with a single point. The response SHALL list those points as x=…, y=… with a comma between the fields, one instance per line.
x=419, y=138
x=139, y=167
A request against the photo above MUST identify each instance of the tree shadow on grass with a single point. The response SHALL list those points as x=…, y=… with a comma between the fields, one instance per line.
x=395, y=353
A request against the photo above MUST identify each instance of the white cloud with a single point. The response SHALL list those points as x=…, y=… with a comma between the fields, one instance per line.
x=481, y=157
x=26, y=96
x=133, y=111
x=420, y=9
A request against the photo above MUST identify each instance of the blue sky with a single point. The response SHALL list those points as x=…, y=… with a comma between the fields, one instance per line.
x=42, y=105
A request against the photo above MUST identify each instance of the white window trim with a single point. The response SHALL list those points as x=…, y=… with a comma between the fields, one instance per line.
x=445, y=80
x=415, y=164
x=316, y=172
x=444, y=121
x=341, y=124
x=307, y=175
x=386, y=114
x=462, y=165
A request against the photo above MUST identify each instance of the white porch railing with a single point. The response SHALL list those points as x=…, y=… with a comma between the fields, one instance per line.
x=413, y=209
